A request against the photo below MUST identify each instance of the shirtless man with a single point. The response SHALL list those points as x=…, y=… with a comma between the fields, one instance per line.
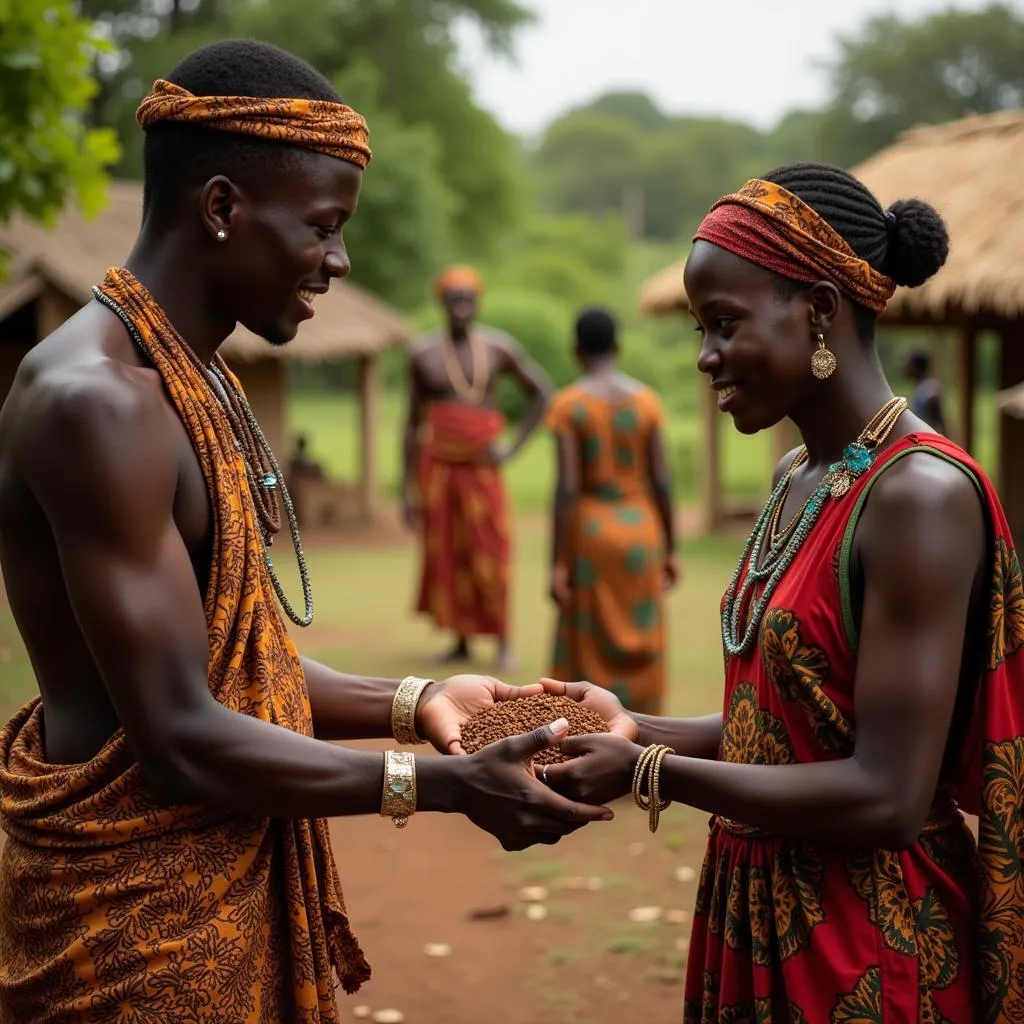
x=453, y=492
x=166, y=853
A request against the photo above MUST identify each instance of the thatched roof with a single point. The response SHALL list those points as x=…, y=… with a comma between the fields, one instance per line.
x=968, y=170
x=664, y=292
x=76, y=253
x=1011, y=401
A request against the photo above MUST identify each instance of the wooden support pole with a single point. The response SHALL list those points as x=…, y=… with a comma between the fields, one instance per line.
x=967, y=379
x=712, y=508
x=1010, y=479
x=369, y=422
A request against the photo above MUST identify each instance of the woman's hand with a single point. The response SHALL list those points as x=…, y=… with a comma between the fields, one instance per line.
x=671, y=571
x=600, y=770
x=561, y=588
x=446, y=706
x=598, y=700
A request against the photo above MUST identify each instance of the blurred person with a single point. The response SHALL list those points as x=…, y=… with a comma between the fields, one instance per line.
x=874, y=646
x=453, y=493
x=301, y=465
x=167, y=856
x=613, y=542
x=926, y=401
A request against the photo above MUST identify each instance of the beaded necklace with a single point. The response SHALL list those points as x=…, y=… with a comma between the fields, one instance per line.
x=263, y=475
x=472, y=392
x=782, y=548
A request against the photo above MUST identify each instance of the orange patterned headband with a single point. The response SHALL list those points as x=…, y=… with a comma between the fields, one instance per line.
x=778, y=230
x=330, y=128
x=461, y=278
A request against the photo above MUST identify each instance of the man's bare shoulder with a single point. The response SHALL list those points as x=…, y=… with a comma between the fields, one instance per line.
x=72, y=398
x=424, y=343
x=498, y=337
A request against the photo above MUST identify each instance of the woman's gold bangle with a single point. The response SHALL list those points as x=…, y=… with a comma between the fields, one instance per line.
x=403, y=709
x=398, y=796
x=647, y=775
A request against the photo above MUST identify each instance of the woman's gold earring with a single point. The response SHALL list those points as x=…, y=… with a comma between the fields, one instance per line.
x=823, y=362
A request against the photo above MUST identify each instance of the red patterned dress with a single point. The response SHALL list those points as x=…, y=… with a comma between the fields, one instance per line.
x=797, y=932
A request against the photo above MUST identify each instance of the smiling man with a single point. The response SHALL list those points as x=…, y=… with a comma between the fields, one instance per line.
x=164, y=798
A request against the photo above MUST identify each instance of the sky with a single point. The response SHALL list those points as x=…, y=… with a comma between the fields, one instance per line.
x=752, y=60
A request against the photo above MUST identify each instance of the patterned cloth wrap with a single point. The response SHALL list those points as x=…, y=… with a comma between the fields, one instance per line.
x=466, y=542
x=112, y=902
x=771, y=227
x=330, y=128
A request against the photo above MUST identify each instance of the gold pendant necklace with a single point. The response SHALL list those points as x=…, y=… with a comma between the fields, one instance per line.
x=472, y=392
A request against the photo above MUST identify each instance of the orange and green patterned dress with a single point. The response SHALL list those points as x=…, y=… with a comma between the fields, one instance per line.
x=612, y=632
x=803, y=933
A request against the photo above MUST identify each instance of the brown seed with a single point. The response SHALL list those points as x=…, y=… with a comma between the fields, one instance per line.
x=515, y=717
x=486, y=913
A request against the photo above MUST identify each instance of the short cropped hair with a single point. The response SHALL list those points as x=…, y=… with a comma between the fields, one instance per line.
x=178, y=155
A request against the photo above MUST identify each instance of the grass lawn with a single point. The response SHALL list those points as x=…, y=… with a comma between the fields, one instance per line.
x=330, y=421
x=364, y=623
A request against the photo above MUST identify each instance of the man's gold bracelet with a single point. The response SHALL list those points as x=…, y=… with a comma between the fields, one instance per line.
x=403, y=710
x=647, y=775
x=398, y=796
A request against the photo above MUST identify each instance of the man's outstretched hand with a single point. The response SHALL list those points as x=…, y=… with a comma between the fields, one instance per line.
x=447, y=705
x=498, y=792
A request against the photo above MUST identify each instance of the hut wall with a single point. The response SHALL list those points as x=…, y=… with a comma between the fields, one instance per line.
x=17, y=336
x=264, y=384
x=1011, y=434
x=53, y=308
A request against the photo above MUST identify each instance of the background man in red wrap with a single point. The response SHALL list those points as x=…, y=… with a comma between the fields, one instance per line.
x=453, y=492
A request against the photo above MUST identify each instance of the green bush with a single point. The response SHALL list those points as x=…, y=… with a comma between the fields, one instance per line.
x=543, y=326
x=556, y=273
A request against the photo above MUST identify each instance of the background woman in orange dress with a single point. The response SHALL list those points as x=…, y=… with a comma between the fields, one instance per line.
x=613, y=550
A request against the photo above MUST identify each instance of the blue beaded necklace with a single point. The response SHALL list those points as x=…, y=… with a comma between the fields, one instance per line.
x=857, y=459
x=216, y=381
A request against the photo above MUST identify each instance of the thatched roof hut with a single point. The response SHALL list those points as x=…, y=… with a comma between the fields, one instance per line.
x=51, y=271
x=968, y=170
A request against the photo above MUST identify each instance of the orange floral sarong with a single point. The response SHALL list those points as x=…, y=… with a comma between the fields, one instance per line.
x=114, y=906
x=464, y=583
x=612, y=632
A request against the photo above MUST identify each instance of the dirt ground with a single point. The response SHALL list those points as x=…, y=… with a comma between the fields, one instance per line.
x=585, y=962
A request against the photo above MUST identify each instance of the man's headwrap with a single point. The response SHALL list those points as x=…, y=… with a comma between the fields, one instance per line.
x=459, y=278
x=320, y=125
x=773, y=228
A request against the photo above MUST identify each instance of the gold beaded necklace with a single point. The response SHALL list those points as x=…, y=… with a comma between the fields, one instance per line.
x=748, y=577
x=472, y=392
x=877, y=430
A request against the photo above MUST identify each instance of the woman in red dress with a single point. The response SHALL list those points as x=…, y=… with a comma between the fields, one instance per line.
x=874, y=640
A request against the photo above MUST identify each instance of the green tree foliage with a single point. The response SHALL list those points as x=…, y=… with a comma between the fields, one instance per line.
x=635, y=108
x=403, y=229
x=586, y=162
x=576, y=259
x=540, y=323
x=618, y=154
x=47, y=152
x=895, y=74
